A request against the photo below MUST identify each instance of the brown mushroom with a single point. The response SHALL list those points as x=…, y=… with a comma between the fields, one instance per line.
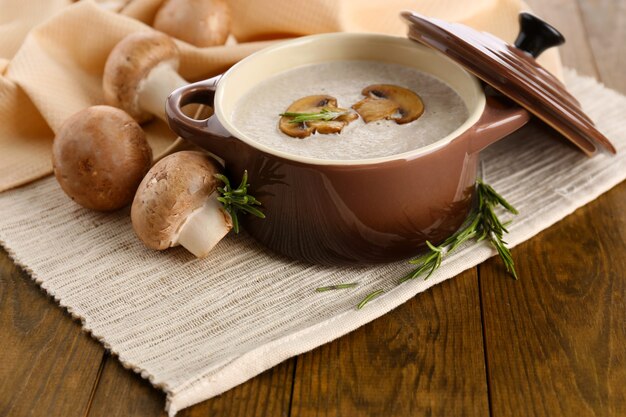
x=198, y=22
x=337, y=118
x=176, y=204
x=140, y=73
x=391, y=102
x=99, y=157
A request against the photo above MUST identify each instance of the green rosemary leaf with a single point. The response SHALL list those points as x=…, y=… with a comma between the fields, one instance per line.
x=482, y=223
x=252, y=200
x=427, y=257
x=252, y=210
x=337, y=287
x=236, y=201
x=235, y=222
x=492, y=194
x=323, y=115
x=433, y=248
x=369, y=297
x=244, y=179
x=223, y=178
x=505, y=254
x=410, y=275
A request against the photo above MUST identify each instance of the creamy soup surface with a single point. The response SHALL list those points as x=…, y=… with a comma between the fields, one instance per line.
x=257, y=112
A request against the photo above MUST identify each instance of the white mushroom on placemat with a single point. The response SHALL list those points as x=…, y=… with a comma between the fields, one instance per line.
x=199, y=22
x=140, y=73
x=100, y=156
x=185, y=200
x=177, y=204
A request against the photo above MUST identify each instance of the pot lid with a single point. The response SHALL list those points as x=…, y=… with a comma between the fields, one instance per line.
x=513, y=71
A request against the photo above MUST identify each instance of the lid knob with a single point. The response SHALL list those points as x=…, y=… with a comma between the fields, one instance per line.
x=536, y=36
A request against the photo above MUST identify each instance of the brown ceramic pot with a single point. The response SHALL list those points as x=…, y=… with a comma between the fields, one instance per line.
x=349, y=211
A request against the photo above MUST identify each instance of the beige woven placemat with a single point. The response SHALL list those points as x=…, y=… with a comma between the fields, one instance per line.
x=196, y=328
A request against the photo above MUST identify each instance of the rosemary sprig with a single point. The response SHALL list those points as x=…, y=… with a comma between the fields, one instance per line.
x=482, y=223
x=324, y=115
x=492, y=228
x=237, y=200
x=369, y=297
x=337, y=287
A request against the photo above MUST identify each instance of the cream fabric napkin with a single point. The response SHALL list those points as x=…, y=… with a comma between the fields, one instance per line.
x=52, y=55
x=196, y=328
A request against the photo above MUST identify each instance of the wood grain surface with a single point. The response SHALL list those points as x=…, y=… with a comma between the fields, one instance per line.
x=550, y=344
x=425, y=358
x=48, y=366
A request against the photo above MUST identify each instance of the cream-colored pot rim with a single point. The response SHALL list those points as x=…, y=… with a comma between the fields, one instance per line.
x=344, y=46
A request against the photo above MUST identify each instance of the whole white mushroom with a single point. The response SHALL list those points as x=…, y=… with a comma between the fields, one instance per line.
x=140, y=73
x=177, y=204
x=100, y=156
x=198, y=22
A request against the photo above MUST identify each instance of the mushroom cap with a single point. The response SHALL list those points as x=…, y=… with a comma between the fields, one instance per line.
x=388, y=101
x=198, y=22
x=372, y=109
x=175, y=187
x=314, y=104
x=99, y=157
x=129, y=63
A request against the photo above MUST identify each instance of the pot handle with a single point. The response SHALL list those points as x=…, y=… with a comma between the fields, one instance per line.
x=498, y=120
x=206, y=133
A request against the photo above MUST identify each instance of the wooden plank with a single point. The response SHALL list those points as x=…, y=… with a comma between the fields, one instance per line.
x=122, y=393
x=605, y=27
x=556, y=339
x=268, y=394
x=424, y=358
x=47, y=365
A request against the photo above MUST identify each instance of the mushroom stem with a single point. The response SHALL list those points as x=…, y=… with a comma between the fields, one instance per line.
x=205, y=227
x=157, y=86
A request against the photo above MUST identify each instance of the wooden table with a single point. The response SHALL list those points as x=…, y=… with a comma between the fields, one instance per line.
x=481, y=344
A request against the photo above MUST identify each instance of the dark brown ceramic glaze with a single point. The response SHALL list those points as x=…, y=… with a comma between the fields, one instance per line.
x=346, y=214
x=514, y=72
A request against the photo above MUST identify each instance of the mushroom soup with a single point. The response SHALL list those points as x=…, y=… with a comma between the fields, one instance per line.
x=257, y=113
